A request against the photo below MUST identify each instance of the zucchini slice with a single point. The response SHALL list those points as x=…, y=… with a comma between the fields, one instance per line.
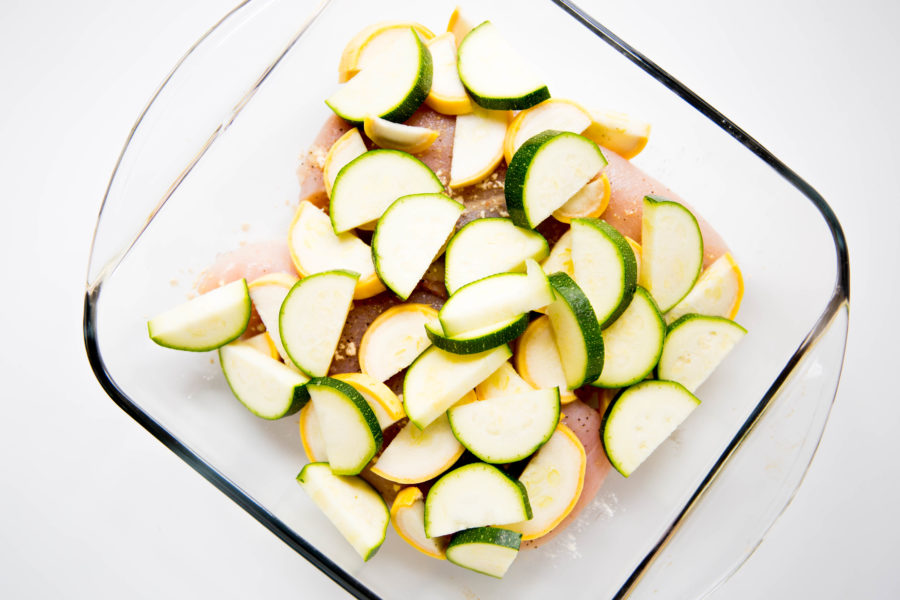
x=408, y=517
x=264, y=385
x=408, y=237
x=394, y=340
x=343, y=150
x=475, y=495
x=392, y=85
x=554, y=479
x=352, y=505
x=605, y=268
x=417, y=455
x=494, y=74
x=384, y=403
x=311, y=435
x=397, y=136
x=575, y=331
x=477, y=145
x=502, y=382
x=633, y=343
x=495, y=299
x=438, y=379
x=640, y=419
x=312, y=318
x=348, y=424
x=672, y=249
x=694, y=347
x=369, y=184
x=480, y=340
x=315, y=248
x=268, y=293
x=205, y=323
x=546, y=171
x=553, y=113
x=485, y=550
x=489, y=246
x=538, y=361
x=506, y=429
x=717, y=293
x=447, y=95
x=370, y=43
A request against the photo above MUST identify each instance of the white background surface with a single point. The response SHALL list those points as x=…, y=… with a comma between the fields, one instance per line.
x=93, y=506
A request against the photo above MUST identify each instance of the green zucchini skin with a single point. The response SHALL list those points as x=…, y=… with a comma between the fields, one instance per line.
x=419, y=92
x=357, y=399
x=517, y=174
x=501, y=336
x=487, y=535
x=629, y=283
x=580, y=306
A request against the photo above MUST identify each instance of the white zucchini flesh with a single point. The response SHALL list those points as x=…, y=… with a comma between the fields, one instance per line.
x=438, y=379
x=409, y=236
x=348, y=425
x=641, y=418
x=633, y=343
x=315, y=247
x=475, y=495
x=496, y=76
x=408, y=517
x=695, y=346
x=312, y=318
x=506, y=429
x=311, y=435
x=503, y=382
x=554, y=479
x=605, y=268
x=485, y=550
x=555, y=113
x=490, y=246
x=546, y=171
x=417, y=455
x=394, y=340
x=672, y=251
x=495, y=299
x=267, y=294
x=477, y=145
x=357, y=511
x=342, y=151
x=205, y=323
x=369, y=184
x=264, y=385
x=392, y=85
x=576, y=332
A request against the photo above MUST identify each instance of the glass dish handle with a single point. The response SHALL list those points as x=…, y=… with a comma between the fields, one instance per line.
x=755, y=481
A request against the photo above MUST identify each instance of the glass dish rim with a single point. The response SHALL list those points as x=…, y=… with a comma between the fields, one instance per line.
x=839, y=299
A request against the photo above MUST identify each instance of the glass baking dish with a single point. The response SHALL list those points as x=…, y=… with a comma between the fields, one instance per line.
x=210, y=164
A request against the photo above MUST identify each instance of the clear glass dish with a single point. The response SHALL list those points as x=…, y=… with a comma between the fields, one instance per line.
x=211, y=163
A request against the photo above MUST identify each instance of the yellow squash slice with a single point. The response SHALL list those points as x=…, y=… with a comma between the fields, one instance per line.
x=620, y=133
x=717, y=293
x=538, y=362
x=590, y=201
x=394, y=339
x=343, y=150
x=555, y=113
x=315, y=248
x=408, y=517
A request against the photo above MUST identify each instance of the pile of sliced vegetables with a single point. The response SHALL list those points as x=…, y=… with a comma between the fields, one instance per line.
x=641, y=319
